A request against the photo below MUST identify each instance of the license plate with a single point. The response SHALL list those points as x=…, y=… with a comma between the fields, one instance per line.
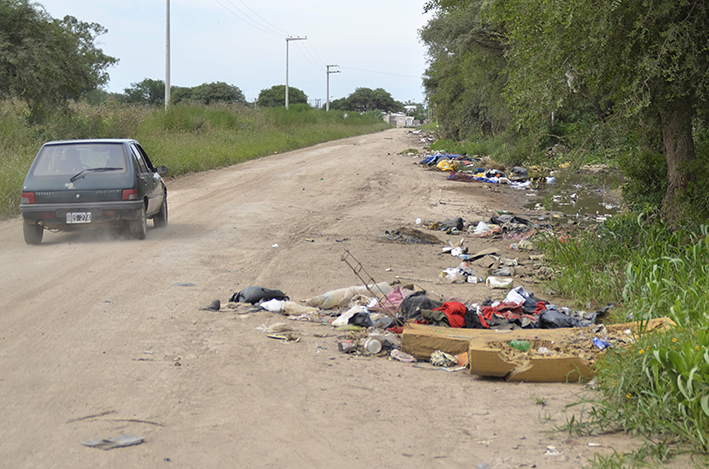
x=78, y=217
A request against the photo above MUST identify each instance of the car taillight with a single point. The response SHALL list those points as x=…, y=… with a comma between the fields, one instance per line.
x=130, y=194
x=27, y=198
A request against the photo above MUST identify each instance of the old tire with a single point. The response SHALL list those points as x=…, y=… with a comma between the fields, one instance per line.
x=160, y=220
x=139, y=228
x=33, y=233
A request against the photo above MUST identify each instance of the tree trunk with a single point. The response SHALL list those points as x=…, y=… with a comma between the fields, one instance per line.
x=679, y=152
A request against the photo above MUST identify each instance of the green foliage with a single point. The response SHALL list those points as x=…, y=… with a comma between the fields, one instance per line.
x=633, y=59
x=366, y=99
x=45, y=61
x=186, y=137
x=503, y=148
x=210, y=93
x=148, y=91
x=275, y=96
x=466, y=76
x=653, y=271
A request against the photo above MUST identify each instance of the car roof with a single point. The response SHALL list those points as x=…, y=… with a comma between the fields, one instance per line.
x=92, y=141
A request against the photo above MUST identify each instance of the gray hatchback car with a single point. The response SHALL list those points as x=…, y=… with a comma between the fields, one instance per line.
x=80, y=184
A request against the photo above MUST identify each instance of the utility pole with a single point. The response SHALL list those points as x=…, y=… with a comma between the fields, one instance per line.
x=167, y=58
x=327, y=106
x=288, y=40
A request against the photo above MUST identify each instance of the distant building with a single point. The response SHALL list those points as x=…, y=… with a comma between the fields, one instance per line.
x=399, y=119
x=411, y=109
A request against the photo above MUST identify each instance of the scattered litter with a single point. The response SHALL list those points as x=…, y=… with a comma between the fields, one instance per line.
x=274, y=305
x=257, y=294
x=407, y=235
x=340, y=298
x=114, y=442
x=347, y=346
x=287, y=336
x=404, y=357
x=499, y=282
x=213, y=306
x=453, y=369
x=601, y=344
x=552, y=451
x=441, y=358
x=277, y=327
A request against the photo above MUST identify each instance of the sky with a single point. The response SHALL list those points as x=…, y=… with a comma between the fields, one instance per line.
x=375, y=43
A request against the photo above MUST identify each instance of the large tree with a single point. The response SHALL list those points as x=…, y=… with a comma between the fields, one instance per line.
x=465, y=77
x=642, y=58
x=148, y=91
x=209, y=93
x=367, y=99
x=275, y=96
x=45, y=61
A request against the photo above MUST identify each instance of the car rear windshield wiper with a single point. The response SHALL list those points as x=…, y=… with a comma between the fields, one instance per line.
x=80, y=174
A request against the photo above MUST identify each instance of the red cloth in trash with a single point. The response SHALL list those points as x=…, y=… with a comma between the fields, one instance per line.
x=511, y=311
x=455, y=312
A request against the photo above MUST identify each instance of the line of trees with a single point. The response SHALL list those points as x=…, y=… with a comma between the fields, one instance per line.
x=48, y=62
x=45, y=61
x=546, y=66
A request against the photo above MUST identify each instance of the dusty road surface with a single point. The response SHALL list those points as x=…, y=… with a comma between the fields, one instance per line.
x=102, y=336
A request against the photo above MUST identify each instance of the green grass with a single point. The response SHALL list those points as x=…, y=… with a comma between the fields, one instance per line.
x=186, y=138
x=651, y=271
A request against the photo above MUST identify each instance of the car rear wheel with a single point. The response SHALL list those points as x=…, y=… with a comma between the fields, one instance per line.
x=160, y=220
x=139, y=228
x=33, y=233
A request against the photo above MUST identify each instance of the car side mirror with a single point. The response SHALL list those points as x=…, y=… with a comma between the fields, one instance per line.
x=161, y=169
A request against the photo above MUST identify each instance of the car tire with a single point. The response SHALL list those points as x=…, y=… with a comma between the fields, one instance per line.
x=33, y=233
x=139, y=228
x=160, y=220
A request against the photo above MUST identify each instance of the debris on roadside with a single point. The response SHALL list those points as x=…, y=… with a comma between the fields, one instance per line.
x=114, y=442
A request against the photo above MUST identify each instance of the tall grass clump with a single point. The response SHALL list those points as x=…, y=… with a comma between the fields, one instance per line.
x=17, y=149
x=657, y=386
x=186, y=138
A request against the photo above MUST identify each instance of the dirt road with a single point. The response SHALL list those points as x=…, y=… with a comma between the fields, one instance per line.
x=102, y=336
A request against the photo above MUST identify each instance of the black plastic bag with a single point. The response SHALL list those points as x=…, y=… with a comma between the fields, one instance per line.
x=255, y=295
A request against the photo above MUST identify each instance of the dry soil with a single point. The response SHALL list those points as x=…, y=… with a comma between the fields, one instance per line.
x=102, y=335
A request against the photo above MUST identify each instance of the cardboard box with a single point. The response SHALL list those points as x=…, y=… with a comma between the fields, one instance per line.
x=489, y=355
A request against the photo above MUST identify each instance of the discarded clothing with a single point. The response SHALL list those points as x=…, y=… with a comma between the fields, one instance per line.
x=341, y=297
x=256, y=294
x=411, y=306
x=455, y=312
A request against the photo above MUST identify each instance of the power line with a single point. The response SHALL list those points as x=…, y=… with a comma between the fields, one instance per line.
x=263, y=19
x=308, y=56
x=246, y=19
x=381, y=73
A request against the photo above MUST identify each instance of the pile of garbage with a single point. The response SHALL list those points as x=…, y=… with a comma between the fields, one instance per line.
x=370, y=318
x=474, y=169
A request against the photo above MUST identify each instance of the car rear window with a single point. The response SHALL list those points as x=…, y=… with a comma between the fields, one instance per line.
x=69, y=159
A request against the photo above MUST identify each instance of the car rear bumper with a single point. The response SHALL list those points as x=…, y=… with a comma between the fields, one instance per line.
x=53, y=216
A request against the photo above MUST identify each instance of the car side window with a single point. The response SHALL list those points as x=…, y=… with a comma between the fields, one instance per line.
x=147, y=161
x=139, y=158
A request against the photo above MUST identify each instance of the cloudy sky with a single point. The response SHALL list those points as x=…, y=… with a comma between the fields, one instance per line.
x=243, y=43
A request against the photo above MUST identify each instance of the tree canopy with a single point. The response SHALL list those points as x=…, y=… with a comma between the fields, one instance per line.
x=218, y=92
x=637, y=58
x=640, y=65
x=148, y=91
x=275, y=96
x=366, y=99
x=45, y=61
x=466, y=76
